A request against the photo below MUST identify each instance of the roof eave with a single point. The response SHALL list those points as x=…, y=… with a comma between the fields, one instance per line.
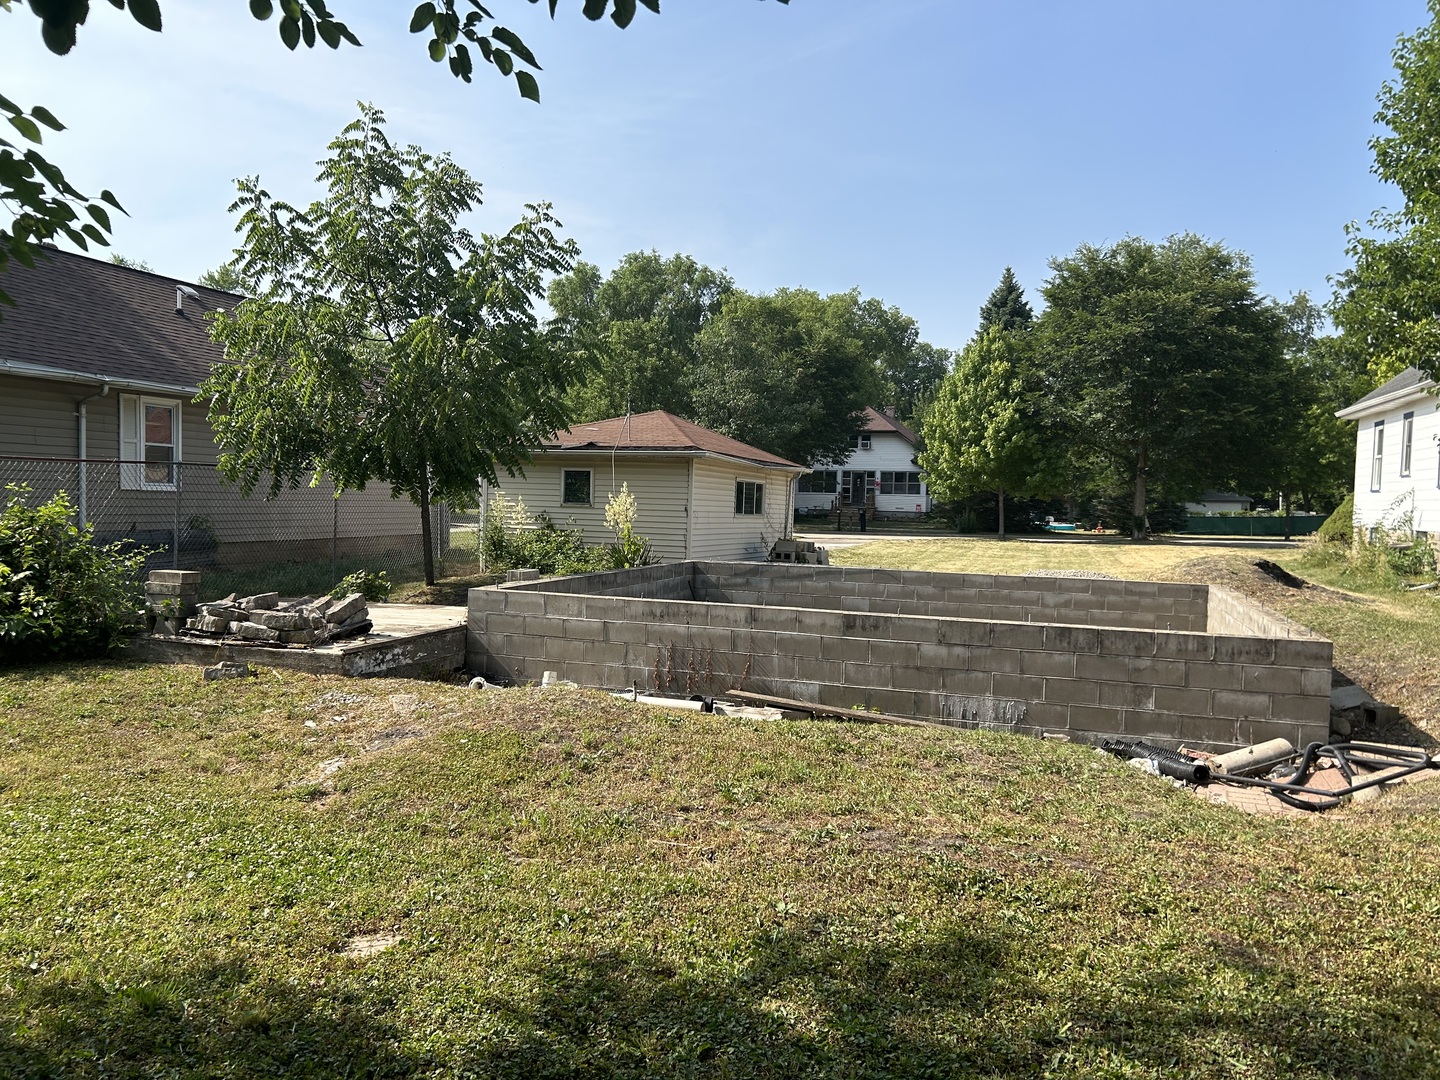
x=660, y=452
x=39, y=371
x=1362, y=409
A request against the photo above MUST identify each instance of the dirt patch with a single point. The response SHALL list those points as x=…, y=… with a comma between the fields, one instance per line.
x=363, y=946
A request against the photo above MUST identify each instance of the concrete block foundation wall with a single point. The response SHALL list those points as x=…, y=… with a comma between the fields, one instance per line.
x=1079, y=676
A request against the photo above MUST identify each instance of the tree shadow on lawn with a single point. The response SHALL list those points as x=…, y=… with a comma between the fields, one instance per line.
x=956, y=1004
x=794, y=1000
x=205, y=1020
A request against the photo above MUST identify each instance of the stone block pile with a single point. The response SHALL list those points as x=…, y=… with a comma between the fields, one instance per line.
x=171, y=596
x=263, y=620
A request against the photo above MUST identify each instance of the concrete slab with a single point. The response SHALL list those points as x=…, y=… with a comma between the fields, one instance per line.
x=406, y=641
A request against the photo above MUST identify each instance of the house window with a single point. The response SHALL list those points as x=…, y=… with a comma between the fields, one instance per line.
x=749, y=497
x=861, y=441
x=575, y=487
x=149, y=443
x=899, y=483
x=824, y=482
x=1407, y=434
x=1378, y=455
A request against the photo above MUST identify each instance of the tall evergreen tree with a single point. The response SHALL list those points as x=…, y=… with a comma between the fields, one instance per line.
x=1007, y=307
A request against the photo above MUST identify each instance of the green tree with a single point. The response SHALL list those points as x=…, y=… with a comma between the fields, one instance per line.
x=1160, y=360
x=43, y=205
x=1390, y=298
x=226, y=278
x=907, y=367
x=982, y=432
x=1312, y=456
x=789, y=372
x=638, y=329
x=133, y=264
x=1007, y=307
x=383, y=342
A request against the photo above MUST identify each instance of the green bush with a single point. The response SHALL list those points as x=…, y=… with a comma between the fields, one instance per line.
x=61, y=594
x=512, y=540
x=1339, y=527
x=372, y=586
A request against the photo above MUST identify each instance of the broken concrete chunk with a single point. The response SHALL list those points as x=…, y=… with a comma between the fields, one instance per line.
x=226, y=611
x=209, y=624
x=345, y=608
x=227, y=669
x=189, y=580
x=1349, y=697
x=261, y=602
x=298, y=637
x=281, y=620
x=255, y=632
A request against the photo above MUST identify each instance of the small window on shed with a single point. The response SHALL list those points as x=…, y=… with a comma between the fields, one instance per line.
x=575, y=487
x=1407, y=439
x=749, y=497
x=1377, y=457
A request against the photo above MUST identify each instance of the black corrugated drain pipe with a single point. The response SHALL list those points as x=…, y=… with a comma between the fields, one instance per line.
x=1170, y=762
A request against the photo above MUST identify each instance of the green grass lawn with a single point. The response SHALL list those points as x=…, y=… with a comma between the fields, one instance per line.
x=582, y=887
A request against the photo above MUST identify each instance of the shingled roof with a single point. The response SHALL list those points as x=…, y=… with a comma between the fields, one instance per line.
x=99, y=322
x=877, y=421
x=660, y=431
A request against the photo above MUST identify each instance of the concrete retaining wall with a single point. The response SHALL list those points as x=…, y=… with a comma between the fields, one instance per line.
x=1086, y=672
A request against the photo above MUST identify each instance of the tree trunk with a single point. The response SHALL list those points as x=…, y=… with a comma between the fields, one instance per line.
x=425, y=538
x=1285, y=502
x=1138, y=530
x=1001, y=533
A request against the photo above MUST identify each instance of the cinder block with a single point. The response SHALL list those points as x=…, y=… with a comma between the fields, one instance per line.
x=995, y=660
x=962, y=632
x=1244, y=650
x=1240, y=704
x=1304, y=652
x=1315, y=682
x=1048, y=715
x=1157, y=672
x=1182, y=700
x=1211, y=676
x=966, y=683
x=1018, y=687
x=1102, y=668
x=1013, y=635
x=1072, y=639
x=907, y=628
x=885, y=651
x=1072, y=691
x=523, y=602
x=1301, y=710
x=902, y=678
x=1185, y=646
x=1100, y=718
x=1121, y=642
x=1202, y=732
x=854, y=649
x=1126, y=695
x=1057, y=665
x=1274, y=680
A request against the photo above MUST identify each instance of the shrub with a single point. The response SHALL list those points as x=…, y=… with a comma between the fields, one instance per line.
x=1339, y=527
x=374, y=586
x=512, y=539
x=61, y=594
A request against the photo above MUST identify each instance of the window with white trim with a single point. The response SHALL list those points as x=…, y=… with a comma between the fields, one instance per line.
x=1377, y=455
x=749, y=497
x=821, y=482
x=861, y=441
x=1407, y=439
x=899, y=483
x=575, y=487
x=149, y=442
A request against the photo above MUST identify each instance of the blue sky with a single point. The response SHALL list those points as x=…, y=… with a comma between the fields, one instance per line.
x=910, y=148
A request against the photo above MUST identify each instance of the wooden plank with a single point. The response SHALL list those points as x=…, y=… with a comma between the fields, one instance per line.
x=813, y=709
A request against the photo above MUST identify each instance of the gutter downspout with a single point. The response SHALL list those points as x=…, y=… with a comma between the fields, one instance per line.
x=83, y=449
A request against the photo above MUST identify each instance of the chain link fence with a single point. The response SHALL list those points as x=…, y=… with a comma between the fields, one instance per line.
x=189, y=517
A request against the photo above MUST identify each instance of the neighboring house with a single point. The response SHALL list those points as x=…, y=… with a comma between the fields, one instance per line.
x=100, y=367
x=880, y=473
x=699, y=494
x=1397, y=457
x=1220, y=502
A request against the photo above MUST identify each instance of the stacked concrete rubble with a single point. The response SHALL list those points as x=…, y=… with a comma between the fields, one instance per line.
x=262, y=619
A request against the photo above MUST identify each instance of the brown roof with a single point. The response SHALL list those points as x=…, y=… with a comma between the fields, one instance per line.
x=99, y=320
x=878, y=421
x=661, y=431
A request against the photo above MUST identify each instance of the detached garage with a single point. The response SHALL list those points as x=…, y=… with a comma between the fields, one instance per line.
x=701, y=495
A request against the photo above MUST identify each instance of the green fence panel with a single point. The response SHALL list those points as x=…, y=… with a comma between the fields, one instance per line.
x=1200, y=525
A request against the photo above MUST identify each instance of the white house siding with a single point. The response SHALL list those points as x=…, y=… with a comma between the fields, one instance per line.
x=661, y=487
x=718, y=532
x=888, y=452
x=1398, y=496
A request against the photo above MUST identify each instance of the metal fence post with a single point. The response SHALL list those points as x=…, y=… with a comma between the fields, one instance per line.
x=334, y=535
x=175, y=524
